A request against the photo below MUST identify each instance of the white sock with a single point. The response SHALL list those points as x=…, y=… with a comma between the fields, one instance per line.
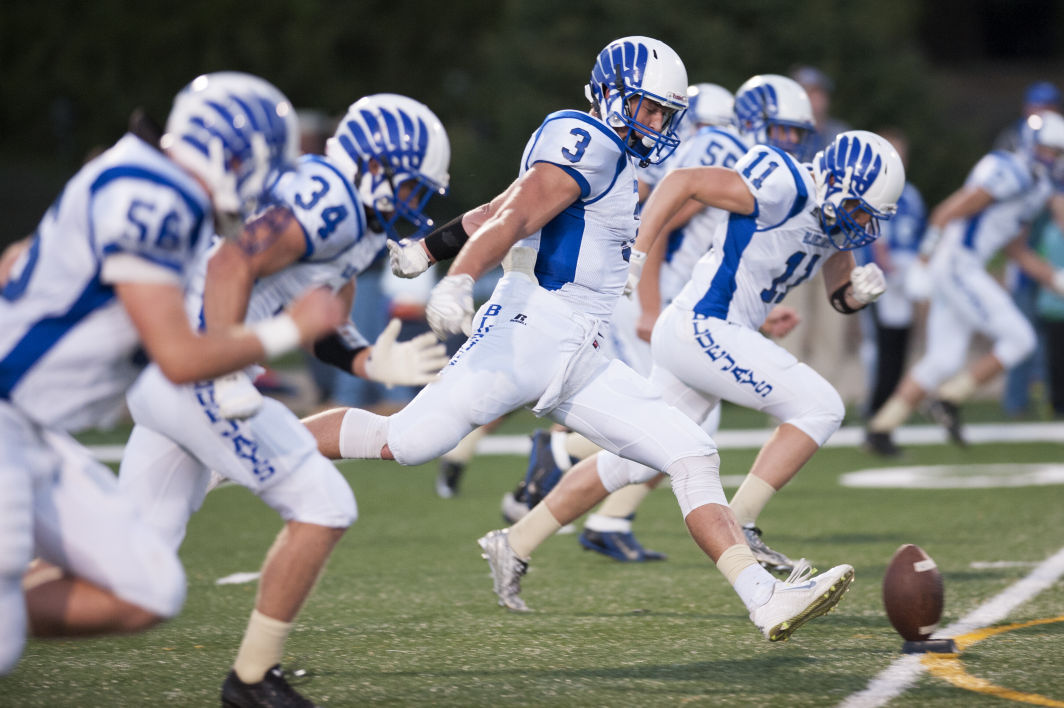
x=754, y=586
x=608, y=524
x=262, y=647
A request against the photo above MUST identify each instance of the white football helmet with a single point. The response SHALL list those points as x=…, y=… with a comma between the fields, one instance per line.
x=769, y=100
x=1043, y=140
x=384, y=141
x=641, y=68
x=707, y=104
x=857, y=173
x=237, y=133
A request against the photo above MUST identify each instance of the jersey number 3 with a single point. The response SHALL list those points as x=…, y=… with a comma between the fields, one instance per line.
x=576, y=153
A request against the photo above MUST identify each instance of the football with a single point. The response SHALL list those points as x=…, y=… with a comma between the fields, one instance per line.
x=913, y=594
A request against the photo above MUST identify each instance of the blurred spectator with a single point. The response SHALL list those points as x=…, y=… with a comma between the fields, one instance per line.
x=1039, y=96
x=1049, y=307
x=887, y=324
x=819, y=88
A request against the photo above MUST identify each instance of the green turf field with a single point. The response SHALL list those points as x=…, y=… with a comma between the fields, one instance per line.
x=405, y=613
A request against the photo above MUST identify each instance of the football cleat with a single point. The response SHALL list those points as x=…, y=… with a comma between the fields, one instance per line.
x=543, y=473
x=881, y=444
x=768, y=558
x=273, y=691
x=447, y=478
x=800, y=598
x=948, y=415
x=506, y=569
x=513, y=507
x=619, y=545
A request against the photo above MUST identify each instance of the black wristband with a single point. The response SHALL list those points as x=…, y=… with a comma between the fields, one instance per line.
x=334, y=350
x=838, y=300
x=446, y=241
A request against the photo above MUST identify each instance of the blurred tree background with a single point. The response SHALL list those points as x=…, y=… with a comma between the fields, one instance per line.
x=950, y=72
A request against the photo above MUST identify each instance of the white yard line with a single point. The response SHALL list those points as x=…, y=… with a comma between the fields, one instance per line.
x=904, y=672
x=851, y=436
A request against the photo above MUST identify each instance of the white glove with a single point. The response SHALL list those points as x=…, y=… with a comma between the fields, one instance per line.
x=867, y=283
x=918, y=282
x=635, y=270
x=414, y=362
x=450, y=307
x=408, y=258
x=1058, y=281
x=236, y=396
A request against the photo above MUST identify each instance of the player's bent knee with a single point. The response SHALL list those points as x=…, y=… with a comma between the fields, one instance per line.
x=696, y=482
x=314, y=492
x=822, y=420
x=616, y=472
x=1017, y=347
x=156, y=587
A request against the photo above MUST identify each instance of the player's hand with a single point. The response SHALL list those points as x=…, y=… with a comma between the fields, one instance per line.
x=236, y=396
x=918, y=282
x=414, y=362
x=867, y=283
x=408, y=259
x=644, y=326
x=450, y=307
x=780, y=321
x=635, y=270
x=317, y=313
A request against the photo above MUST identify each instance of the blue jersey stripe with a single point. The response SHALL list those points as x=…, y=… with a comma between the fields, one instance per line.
x=42, y=336
x=971, y=228
x=717, y=300
x=559, y=248
x=1008, y=159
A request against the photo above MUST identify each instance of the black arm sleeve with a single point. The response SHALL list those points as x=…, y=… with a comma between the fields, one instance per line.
x=334, y=349
x=838, y=300
x=446, y=241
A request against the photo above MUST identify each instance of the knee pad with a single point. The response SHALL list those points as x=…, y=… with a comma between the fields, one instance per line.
x=157, y=581
x=1017, y=346
x=615, y=472
x=821, y=420
x=696, y=482
x=314, y=493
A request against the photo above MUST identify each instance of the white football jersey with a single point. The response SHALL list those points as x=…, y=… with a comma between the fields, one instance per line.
x=340, y=244
x=757, y=258
x=68, y=350
x=1019, y=195
x=709, y=147
x=583, y=251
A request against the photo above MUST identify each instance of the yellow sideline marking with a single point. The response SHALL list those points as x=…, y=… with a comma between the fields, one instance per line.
x=951, y=668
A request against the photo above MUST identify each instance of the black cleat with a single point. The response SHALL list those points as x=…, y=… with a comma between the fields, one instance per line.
x=881, y=444
x=273, y=691
x=948, y=415
x=448, y=477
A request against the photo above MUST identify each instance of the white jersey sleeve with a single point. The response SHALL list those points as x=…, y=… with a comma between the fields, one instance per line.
x=584, y=147
x=139, y=213
x=1001, y=175
x=326, y=206
x=776, y=183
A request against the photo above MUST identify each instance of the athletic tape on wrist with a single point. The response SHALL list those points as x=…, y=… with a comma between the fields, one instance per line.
x=278, y=335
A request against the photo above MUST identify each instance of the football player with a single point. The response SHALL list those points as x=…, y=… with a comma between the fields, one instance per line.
x=990, y=213
x=389, y=155
x=563, y=230
x=98, y=291
x=786, y=223
x=768, y=109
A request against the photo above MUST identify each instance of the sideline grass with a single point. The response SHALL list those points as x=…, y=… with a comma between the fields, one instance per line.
x=405, y=614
